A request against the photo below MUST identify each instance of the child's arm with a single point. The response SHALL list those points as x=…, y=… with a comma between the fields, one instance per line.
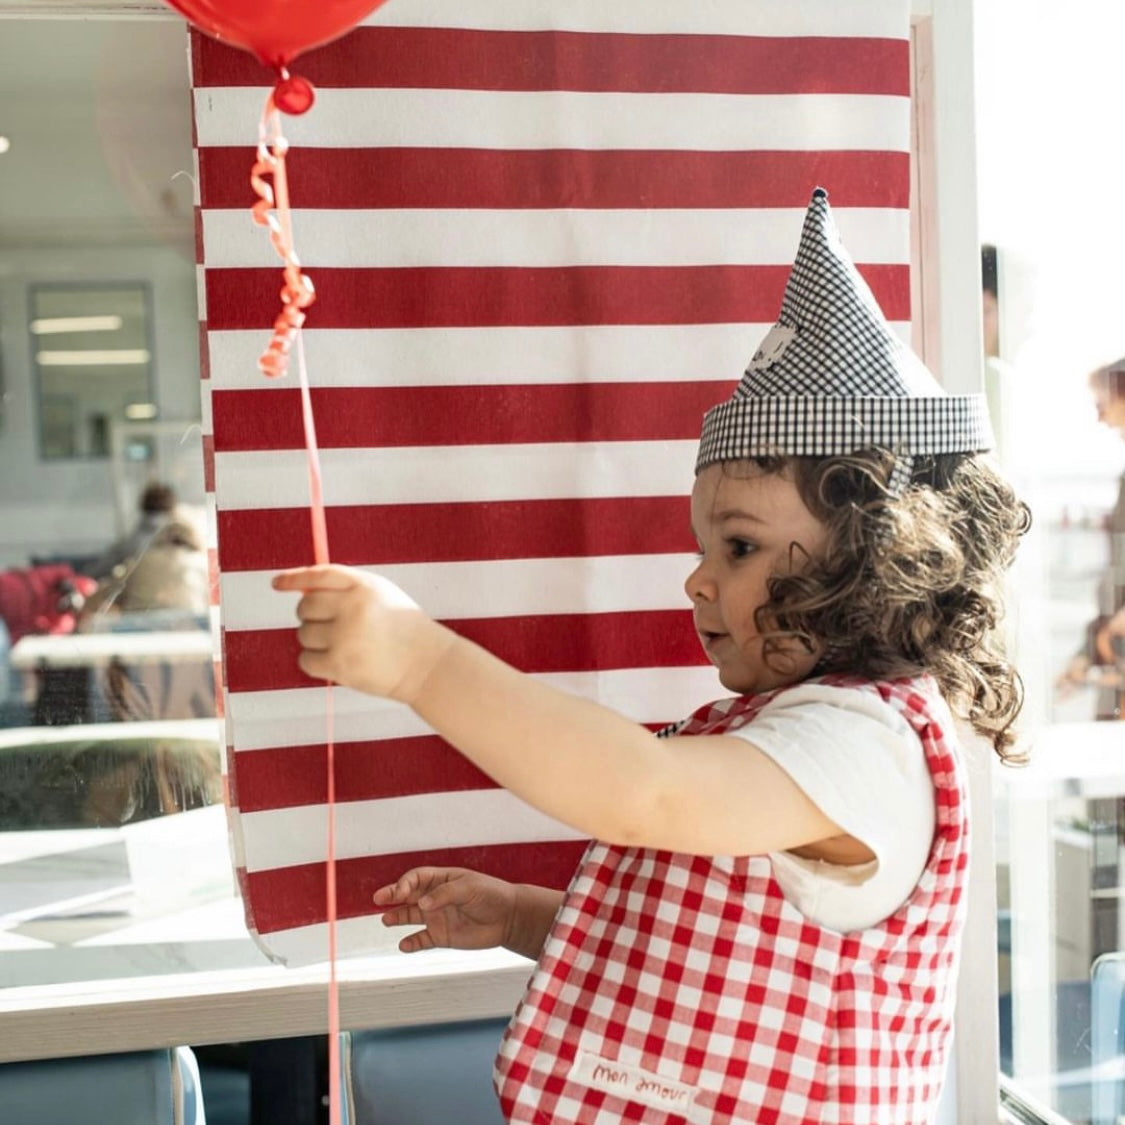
x=463, y=909
x=579, y=762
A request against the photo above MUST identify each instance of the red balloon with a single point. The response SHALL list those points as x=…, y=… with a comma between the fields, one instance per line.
x=275, y=30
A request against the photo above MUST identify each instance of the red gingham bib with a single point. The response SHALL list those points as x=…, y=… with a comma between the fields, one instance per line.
x=677, y=988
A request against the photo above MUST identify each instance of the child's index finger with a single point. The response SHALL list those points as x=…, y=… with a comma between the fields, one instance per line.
x=385, y=896
x=304, y=578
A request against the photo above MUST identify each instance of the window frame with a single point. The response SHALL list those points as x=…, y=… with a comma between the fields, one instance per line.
x=948, y=335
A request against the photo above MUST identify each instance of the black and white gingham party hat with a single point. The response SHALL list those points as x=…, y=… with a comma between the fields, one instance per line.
x=831, y=377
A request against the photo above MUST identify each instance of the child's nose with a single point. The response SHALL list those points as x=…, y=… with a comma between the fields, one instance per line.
x=698, y=584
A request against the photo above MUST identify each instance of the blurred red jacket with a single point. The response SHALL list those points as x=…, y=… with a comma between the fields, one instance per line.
x=42, y=599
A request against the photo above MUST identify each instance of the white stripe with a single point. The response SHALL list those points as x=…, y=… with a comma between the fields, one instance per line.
x=493, y=588
x=879, y=18
x=470, y=473
x=308, y=945
x=468, y=357
x=287, y=837
x=364, y=118
x=201, y=293
x=546, y=238
x=209, y=508
x=263, y=720
x=196, y=196
x=366, y=935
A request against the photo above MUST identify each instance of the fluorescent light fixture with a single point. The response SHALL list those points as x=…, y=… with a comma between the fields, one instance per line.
x=123, y=357
x=140, y=411
x=5, y=144
x=75, y=324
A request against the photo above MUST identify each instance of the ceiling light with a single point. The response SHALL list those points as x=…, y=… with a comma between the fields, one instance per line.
x=75, y=324
x=5, y=144
x=140, y=411
x=92, y=359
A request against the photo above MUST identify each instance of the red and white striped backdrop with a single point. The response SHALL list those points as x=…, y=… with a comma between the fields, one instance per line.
x=545, y=235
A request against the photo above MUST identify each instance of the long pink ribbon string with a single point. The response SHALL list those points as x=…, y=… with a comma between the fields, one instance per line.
x=272, y=211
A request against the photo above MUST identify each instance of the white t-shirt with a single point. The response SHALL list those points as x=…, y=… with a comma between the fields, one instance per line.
x=862, y=764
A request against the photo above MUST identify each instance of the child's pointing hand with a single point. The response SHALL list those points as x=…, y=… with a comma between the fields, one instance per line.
x=360, y=630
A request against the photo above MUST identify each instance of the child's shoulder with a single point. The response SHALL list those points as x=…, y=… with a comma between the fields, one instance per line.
x=921, y=682
x=915, y=697
x=919, y=692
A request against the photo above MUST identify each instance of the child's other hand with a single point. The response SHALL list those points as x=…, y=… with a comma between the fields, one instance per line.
x=460, y=909
x=360, y=630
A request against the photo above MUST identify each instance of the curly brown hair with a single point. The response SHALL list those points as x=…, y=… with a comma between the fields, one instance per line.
x=907, y=583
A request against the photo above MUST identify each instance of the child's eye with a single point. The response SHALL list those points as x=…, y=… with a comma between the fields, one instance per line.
x=740, y=548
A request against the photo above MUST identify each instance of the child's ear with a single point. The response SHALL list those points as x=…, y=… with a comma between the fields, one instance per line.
x=799, y=556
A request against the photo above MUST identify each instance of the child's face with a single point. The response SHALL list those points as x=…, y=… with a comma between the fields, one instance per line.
x=745, y=524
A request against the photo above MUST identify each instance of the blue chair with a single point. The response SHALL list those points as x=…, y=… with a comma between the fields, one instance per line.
x=429, y=1075
x=1107, y=1037
x=13, y=711
x=158, y=1087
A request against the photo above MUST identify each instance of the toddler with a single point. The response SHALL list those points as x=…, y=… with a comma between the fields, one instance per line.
x=766, y=927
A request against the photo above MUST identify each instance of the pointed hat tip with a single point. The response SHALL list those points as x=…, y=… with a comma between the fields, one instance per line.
x=832, y=377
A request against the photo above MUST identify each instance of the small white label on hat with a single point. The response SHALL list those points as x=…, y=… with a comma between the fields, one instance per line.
x=772, y=347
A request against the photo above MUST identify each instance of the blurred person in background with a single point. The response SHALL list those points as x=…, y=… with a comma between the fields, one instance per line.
x=997, y=372
x=156, y=506
x=158, y=580
x=1101, y=659
x=161, y=565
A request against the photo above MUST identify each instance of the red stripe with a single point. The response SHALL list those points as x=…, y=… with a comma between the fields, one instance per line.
x=467, y=59
x=365, y=771
x=501, y=179
x=266, y=659
x=379, y=534
x=197, y=230
x=209, y=465
x=204, y=349
x=366, y=417
x=291, y=776
x=195, y=69
x=436, y=297
x=288, y=897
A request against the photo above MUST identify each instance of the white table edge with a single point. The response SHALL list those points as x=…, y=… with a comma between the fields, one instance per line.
x=230, y=1007
x=97, y=650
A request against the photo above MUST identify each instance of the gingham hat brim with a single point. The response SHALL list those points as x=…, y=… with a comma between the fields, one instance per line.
x=812, y=426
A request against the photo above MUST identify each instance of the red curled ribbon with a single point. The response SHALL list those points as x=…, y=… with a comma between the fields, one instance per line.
x=272, y=211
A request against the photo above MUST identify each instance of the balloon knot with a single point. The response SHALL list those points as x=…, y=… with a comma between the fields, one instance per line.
x=294, y=95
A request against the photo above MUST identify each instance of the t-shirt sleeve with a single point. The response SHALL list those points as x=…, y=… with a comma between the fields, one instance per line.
x=863, y=765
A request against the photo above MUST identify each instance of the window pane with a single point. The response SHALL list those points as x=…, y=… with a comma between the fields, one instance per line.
x=113, y=843
x=1052, y=306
